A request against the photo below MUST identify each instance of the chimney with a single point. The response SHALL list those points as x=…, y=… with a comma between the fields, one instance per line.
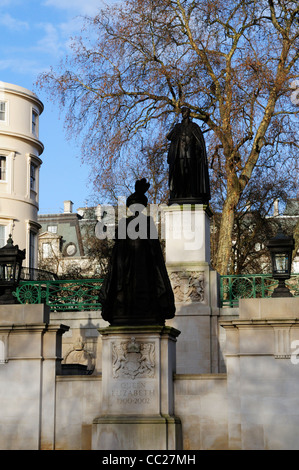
x=68, y=207
x=276, y=207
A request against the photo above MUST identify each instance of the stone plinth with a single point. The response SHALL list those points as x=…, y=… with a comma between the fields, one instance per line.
x=187, y=234
x=195, y=287
x=137, y=390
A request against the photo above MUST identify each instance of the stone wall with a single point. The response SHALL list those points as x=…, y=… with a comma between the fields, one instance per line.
x=262, y=375
x=29, y=362
x=78, y=402
x=254, y=405
x=201, y=403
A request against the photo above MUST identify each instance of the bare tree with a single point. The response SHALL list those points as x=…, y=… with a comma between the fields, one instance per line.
x=254, y=224
x=232, y=63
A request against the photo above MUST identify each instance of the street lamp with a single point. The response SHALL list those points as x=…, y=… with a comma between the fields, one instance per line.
x=281, y=248
x=11, y=259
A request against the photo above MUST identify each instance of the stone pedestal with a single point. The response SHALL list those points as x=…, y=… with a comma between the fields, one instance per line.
x=137, y=390
x=187, y=234
x=195, y=286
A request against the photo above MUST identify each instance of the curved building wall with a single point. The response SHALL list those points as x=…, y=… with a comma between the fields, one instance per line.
x=20, y=150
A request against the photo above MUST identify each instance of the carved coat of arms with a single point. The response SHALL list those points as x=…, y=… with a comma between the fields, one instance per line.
x=187, y=286
x=132, y=359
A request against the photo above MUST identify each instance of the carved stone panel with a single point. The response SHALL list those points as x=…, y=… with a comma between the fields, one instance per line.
x=188, y=286
x=282, y=343
x=132, y=359
x=78, y=354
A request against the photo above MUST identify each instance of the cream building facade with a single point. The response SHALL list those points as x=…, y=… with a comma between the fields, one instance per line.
x=20, y=151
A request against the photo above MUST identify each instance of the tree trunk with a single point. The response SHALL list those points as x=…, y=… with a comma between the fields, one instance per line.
x=225, y=233
x=296, y=238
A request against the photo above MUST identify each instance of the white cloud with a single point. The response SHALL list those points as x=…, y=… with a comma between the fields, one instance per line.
x=54, y=39
x=11, y=23
x=18, y=65
x=71, y=27
x=50, y=43
x=77, y=7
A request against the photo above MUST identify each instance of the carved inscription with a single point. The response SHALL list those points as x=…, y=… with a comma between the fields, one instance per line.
x=133, y=393
x=133, y=382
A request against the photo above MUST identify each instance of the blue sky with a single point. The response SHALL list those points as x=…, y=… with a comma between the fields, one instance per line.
x=35, y=35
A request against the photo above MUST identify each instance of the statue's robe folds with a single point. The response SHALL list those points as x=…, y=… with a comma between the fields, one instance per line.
x=188, y=166
x=137, y=289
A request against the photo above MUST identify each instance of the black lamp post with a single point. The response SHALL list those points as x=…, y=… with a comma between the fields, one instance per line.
x=281, y=248
x=11, y=259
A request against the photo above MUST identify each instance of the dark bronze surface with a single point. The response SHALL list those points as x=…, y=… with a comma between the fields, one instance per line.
x=188, y=167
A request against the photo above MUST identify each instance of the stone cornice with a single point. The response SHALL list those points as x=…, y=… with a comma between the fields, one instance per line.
x=259, y=323
x=31, y=140
x=20, y=91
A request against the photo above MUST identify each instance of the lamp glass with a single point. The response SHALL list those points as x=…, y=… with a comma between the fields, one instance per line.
x=7, y=272
x=281, y=263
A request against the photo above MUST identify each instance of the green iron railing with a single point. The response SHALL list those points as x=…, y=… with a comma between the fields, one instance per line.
x=80, y=294
x=233, y=287
x=83, y=294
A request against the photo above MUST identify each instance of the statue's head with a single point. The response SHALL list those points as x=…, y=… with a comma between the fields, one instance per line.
x=185, y=112
x=139, y=197
x=141, y=186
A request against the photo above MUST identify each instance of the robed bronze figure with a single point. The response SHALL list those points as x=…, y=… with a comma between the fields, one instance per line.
x=137, y=289
x=188, y=167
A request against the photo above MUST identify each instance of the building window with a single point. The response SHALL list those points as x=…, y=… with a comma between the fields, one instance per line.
x=2, y=235
x=2, y=111
x=34, y=122
x=52, y=228
x=46, y=250
x=33, y=168
x=2, y=168
x=32, y=245
x=70, y=249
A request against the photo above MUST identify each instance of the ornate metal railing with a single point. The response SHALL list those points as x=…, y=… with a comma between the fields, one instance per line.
x=233, y=288
x=61, y=295
x=83, y=294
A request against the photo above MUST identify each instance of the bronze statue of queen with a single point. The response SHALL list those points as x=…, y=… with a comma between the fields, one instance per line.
x=188, y=167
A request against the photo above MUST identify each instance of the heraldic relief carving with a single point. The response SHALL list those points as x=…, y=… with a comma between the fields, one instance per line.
x=78, y=354
x=187, y=286
x=132, y=359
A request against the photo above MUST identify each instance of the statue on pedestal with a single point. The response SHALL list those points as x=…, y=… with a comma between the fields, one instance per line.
x=188, y=167
x=137, y=289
